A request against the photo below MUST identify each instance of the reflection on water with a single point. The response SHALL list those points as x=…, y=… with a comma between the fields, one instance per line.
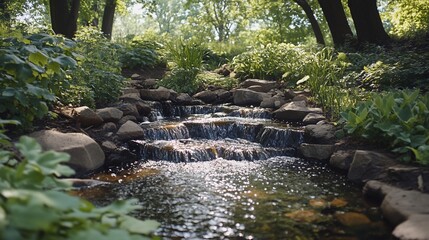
x=278, y=198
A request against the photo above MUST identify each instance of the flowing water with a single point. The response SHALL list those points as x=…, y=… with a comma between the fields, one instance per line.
x=225, y=173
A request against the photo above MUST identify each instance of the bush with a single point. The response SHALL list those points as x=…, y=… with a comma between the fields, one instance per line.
x=271, y=61
x=141, y=53
x=206, y=79
x=397, y=119
x=99, y=67
x=186, y=60
x=34, y=72
x=31, y=209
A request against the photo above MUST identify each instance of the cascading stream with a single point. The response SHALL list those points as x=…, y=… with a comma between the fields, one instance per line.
x=222, y=172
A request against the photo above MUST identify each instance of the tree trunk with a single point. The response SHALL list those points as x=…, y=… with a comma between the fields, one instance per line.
x=366, y=18
x=108, y=17
x=333, y=11
x=314, y=24
x=64, y=16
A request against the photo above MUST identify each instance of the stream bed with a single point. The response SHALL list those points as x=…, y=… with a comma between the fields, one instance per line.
x=207, y=173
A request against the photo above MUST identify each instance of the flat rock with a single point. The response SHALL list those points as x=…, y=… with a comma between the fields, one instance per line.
x=342, y=159
x=409, y=177
x=400, y=205
x=319, y=133
x=85, y=154
x=86, y=116
x=317, y=151
x=369, y=165
x=130, y=97
x=273, y=102
x=207, y=96
x=376, y=190
x=313, y=118
x=130, y=90
x=149, y=83
x=293, y=111
x=415, y=228
x=110, y=114
x=159, y=94
x=246, y=97
x=263, y=85
x=130, y=130
x=136, y=76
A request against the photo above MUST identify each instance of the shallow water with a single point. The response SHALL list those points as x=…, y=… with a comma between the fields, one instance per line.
x=235, y=177
x=224, y=199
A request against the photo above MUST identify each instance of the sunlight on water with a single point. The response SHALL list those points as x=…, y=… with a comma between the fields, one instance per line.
x=224, y=199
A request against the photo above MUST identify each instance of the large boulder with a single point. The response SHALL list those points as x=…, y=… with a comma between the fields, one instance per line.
x=415, y=228
x=130, y=130
x=85, y=154
x=110, y=114
x=400, y=205
x=131, y=97
x=86, y=117
x=263, y=85
x=369, y=165
x=317, y=151
x=294, y=111
x=159, y=94
x=319, y=133
x=246, y=97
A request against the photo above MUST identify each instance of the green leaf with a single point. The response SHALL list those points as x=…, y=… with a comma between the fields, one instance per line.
x=65, y=61
x=31, y=218
x=135, y=225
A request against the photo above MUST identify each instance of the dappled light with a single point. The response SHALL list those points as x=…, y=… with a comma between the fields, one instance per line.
x=224, y=119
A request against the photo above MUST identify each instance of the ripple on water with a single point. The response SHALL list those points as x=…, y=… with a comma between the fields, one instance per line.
x=224, y=199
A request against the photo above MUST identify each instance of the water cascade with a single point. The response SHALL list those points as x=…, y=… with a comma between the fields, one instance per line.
x=223, y=172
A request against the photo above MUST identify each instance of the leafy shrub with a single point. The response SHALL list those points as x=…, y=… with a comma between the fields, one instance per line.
x=141, y=53
x=29, y=211
x=325, y=70
x=271, y=61
x=34, y=73
x=398, y=119
x=206, y=79
x=186, y=63
x=99, y=66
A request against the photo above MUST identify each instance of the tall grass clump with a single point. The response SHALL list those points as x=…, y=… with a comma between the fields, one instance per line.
x=185, y=63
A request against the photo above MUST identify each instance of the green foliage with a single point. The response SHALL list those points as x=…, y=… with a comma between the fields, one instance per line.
x=29, y=211
x=99, y=67
x=269, y=61
x=325, y=70
x=141, y=53
x=186, y=63
x=206, y=79
x=409, y=18
x=398, y=119
x=34, y=71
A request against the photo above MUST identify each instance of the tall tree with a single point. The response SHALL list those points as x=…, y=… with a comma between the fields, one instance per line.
x=314, y=24
x=108, y=17
x=333, y=11
x=168, y=14
x=366, y=18
x=223, y=16
x=64, y=15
